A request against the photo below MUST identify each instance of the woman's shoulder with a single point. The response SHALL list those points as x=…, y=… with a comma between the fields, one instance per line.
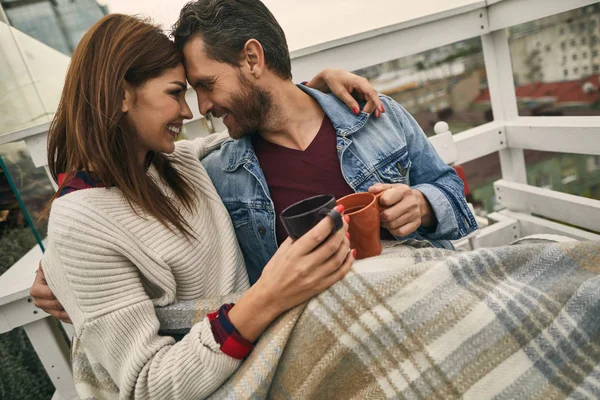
x=83, y=208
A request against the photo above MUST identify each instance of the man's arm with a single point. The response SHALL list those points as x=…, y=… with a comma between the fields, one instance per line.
x=435, y=190
x=406, y=209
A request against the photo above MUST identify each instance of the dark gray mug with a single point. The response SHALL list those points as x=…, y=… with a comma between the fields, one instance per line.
x=302, y=216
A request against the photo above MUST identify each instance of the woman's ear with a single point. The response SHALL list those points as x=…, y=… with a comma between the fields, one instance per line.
x=128, y=98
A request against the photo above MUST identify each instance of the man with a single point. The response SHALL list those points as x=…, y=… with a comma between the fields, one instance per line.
x=291, y=142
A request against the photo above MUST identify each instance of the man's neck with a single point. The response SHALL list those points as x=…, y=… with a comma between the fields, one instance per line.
x=294, y=118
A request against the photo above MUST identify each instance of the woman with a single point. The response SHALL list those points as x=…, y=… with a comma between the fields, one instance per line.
x=136, y=223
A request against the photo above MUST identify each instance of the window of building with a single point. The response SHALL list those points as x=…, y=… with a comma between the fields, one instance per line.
x=582, y=27
x=593, y=39
x=593, y=163
x=569, y=174
x=575, y=71
x=566, y=73
x=572, y=28
x=583, y=40
x=573, y=43
x=562, y=31
x=574, y=56
x=584, y=55
x=408, y=103
x=543, y=181
x=586, y=68
x=548, y=48
x=594, y=53
x=593, y=25
x=563, y=46
x=596, y=68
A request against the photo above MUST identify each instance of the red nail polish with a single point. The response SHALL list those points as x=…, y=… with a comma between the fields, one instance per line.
x=355, y=110
x=377, y=115
x=340, y=208
x=353, y=253
x=382, y=108
x=347, y=219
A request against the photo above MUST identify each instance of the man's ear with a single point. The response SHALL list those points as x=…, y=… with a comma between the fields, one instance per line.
x=253, y=57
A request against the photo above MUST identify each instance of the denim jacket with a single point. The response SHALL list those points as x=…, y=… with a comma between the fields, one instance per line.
x=391, y=149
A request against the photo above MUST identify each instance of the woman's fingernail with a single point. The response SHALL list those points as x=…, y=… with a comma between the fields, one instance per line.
x=347, y=219
x=382, y=108
x=353, y=253
x=377, y=114
x=348, y=235
x=355, y=110
x=340, y=208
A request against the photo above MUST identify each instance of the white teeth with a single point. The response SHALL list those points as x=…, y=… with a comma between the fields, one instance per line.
x=174, y=129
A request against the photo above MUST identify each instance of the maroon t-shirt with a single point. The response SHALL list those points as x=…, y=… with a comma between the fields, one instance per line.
x=293, y=175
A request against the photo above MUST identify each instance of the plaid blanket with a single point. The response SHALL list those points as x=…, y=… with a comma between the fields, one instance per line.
x=513, y=322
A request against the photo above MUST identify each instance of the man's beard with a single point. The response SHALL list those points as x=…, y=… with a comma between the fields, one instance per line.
x=249, y=108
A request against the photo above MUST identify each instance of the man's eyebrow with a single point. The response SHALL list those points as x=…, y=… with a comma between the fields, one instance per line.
x=179, y=83
x=208, y=79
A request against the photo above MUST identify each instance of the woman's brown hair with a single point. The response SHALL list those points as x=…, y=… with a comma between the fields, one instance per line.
x=89, y=131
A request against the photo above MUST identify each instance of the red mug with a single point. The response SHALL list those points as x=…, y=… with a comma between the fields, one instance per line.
x=363, y=209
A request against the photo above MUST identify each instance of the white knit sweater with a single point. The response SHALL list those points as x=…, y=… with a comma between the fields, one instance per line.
x=110, y=267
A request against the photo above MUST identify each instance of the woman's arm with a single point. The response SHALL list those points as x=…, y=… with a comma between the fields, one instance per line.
x=346, y=86
x=117, y=345
x=297, y=272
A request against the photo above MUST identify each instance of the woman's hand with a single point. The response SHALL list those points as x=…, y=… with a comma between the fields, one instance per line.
x=345, y=85
x=44, y=298
x=297, y=272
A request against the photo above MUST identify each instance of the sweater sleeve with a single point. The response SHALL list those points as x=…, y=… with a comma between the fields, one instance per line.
x=91, y=272
x=201, y=147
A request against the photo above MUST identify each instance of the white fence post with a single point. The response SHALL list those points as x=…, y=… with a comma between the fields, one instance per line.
x=53, y=351
x=498, y=65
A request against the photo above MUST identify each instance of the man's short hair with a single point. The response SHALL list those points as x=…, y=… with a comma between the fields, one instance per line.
x=226, y=25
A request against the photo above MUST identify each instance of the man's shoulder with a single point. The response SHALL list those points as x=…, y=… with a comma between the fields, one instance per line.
x=220, y=159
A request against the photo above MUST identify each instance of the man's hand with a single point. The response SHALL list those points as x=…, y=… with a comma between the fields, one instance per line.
x=405, y=209
x=44, y=298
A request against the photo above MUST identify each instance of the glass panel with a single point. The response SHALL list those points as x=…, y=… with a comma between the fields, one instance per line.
x=20, y=102
x=33, y=190
x=34, y=55
x=568, y=173
x=556, y=64
x=564, y=81
x=39, y=21
x=59, y=24
x=481, y=175
x=437, y=85
x=446, y=84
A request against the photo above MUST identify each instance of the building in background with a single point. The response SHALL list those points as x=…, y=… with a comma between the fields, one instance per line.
x=556, y=63
x=59, y=24
x=558, y=48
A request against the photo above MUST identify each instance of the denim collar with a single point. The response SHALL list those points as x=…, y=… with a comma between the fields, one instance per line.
x=241, y=151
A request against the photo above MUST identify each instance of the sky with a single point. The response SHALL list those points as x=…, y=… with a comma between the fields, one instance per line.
x=310, y=22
